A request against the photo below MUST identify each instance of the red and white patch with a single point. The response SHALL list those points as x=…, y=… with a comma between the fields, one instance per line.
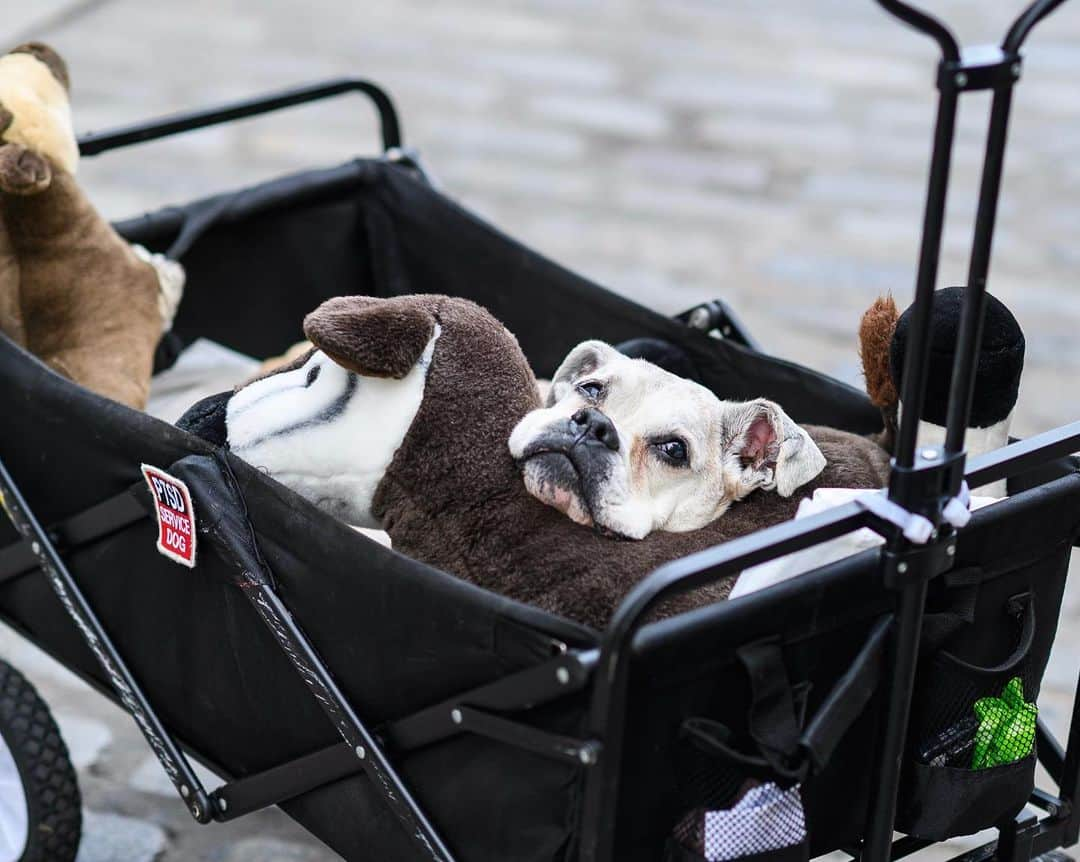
x=175, y=516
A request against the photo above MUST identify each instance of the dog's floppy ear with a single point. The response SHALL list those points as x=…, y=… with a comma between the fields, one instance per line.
x=581, y=361
x=776, y=454
x=373, y=337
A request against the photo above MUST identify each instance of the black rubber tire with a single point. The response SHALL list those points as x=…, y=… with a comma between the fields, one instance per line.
x=53, y=802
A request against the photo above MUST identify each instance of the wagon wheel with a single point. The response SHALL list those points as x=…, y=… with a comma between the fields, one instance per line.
x=40, y=806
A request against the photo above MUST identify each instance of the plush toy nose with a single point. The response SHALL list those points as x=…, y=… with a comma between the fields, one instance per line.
x=206, y=419
x=597, y=427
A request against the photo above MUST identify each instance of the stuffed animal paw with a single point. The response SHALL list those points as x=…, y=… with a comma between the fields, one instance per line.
x=72, y=291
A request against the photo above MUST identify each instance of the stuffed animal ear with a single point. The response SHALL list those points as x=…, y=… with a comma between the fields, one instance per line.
x=35, y=109
x=580, y=362
x=47, y=55
x=373, y=337
x=776, y=454
x=875, y=335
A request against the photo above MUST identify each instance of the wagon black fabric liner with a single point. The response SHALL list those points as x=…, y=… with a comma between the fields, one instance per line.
x=398, y=635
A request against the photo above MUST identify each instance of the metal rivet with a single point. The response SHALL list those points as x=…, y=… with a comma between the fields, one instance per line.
x=35, y=547
x=930, y=454
x=360, y=752
x=455, y=716
x=587, y=756
x=562, y=675
x=950, y=550
x=1016, y=70
x=700, y=318
x=223, y=804
x=196, y=810
x=184, y=791
x=901, y=568
x=961, y=79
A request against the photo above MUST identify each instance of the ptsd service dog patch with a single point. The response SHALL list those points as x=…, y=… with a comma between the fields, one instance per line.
x=175, y=516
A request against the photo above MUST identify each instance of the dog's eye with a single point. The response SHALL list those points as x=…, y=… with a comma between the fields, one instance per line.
x=313, y=374
x=673, y=451
x=591, y=390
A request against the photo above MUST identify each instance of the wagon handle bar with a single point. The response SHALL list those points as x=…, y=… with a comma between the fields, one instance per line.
x=950, y=48
x=390, y=128
x=925, y=23
x=1023, y=25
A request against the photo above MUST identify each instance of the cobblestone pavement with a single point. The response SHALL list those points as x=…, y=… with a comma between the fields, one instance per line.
x=677, y=150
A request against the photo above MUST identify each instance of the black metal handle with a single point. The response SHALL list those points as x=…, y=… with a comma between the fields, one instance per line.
x=950, y=48
x=925, y=23
x=1023, y=25
x=99, y=142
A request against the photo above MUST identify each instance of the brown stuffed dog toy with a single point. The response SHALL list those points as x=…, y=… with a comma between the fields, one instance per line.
x=400, y=417
x=72, y=291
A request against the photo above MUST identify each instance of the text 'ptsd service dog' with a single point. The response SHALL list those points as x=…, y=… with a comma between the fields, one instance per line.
x=627, y=446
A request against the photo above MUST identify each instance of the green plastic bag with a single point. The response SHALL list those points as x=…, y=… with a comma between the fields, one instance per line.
x=1006, y=730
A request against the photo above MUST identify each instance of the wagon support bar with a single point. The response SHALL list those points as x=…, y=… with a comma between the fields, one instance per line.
x=390, y=126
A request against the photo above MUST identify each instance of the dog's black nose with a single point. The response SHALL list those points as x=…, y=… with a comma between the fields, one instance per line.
x=597, y=426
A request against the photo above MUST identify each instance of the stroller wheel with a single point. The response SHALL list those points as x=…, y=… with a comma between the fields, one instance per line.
x=40, y=806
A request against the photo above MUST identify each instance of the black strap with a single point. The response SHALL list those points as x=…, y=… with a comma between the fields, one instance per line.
x=1017, y=605
x=785, y=751
x=961, y=597
x=772, y=721
x=97, y=522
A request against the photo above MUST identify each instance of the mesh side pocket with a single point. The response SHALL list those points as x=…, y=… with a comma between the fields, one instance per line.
x=976, y=771
x=971, y=753
x=949, y=688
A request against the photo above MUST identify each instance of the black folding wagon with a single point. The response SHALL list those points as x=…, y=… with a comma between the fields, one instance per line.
x=399, y=713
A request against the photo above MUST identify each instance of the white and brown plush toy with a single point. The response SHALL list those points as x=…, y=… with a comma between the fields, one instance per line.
x=72, y=291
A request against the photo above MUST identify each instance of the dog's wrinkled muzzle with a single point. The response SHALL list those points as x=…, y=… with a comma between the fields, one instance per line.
x=206, y=419
x=568, y=465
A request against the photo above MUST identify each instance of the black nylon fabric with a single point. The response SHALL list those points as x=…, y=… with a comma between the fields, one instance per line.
x=371, y=227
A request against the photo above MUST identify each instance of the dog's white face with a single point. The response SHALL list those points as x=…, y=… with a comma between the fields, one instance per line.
x=626, y=446
x=327, y=432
